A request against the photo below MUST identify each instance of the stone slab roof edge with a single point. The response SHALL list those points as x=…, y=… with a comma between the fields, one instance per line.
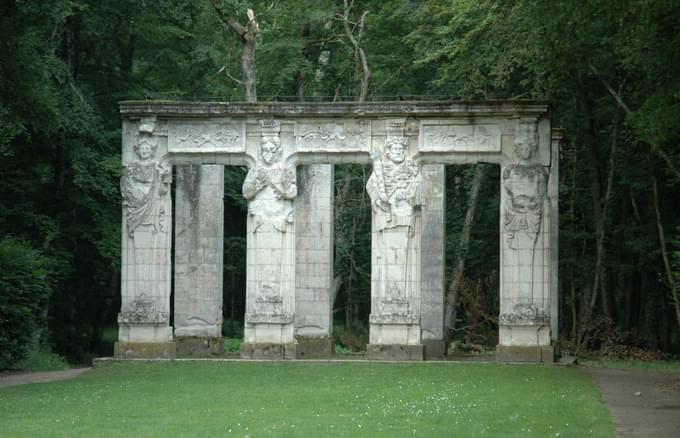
x=167, y=108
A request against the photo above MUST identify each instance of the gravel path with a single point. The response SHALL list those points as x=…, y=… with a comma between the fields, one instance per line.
x=13, y=379
x=642, y=403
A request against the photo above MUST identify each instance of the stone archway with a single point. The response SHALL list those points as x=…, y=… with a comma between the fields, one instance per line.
x=408, y=144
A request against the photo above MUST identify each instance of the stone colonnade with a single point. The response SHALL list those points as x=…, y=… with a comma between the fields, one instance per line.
x=289, y=149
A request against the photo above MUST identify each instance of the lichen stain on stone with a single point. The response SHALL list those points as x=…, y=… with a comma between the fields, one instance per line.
x=191, y=180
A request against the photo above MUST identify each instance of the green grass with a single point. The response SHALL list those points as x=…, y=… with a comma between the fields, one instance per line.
x=661, y=365
x=309, y=400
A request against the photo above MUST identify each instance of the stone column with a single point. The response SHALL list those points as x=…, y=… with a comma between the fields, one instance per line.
x=396, y=191
x=199, y=241
x=527, y=224
x=143, y=321
x=270, y=187
x=314, y=261
x=432, y=272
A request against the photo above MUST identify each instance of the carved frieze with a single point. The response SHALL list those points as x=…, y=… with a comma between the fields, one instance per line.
x=336, y=136
x=460, y=138
x=142, y=310
x=218, y=136
x=524, y=314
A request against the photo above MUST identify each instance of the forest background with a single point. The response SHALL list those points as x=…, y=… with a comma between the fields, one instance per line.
x=610, y=70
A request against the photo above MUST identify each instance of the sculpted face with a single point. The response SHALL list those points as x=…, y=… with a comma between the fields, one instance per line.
x=525, y=146
x=145, y=149
x=270, y=149
x=396, y=150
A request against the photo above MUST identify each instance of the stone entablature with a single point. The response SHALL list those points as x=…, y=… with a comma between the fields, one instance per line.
x=407, y=143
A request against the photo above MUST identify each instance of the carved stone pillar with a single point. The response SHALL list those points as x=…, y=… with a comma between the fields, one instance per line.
x=396, y=191
x=432, y=274
x=143, y=321
x=314, y=261
x=527, y=227
x=270, y=187
x=199, y=242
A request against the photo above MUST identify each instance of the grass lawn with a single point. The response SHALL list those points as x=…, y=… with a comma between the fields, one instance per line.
x=309, y=400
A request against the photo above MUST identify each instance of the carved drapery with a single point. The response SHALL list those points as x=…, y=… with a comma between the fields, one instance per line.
x=270, y=187
x=395, y=188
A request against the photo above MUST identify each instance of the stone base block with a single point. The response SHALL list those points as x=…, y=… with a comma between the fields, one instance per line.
x=144, y=350
x=434, y=348
x=264, y=350
x=314, y=346
x=193, y=346
x=516, y=353
x=395, y=352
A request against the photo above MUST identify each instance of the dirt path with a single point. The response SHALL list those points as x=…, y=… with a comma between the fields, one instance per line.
x=13, y=379
x=642, y=403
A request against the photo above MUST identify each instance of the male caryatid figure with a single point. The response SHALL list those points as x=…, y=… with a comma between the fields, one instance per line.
x=270, y=188
x=396, y=191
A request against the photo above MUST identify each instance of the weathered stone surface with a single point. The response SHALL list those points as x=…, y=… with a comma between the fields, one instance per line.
x=309, y=347
x=396, y=191
x=199, y=242
x=268, y=350
x=270, y=188
x=394, y=352
x=526, y=227
x=432, y=241
x=144, y=350
x=147, y=235
x=314, y=251
x=434, y=348
x=199, y=346
x=272, y=139
x=517, y=353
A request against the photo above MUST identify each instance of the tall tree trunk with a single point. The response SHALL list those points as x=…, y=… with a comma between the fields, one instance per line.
x=355, y=35
x=590, y=143
x=670, y=278
x=459, y=265
x=248, y=36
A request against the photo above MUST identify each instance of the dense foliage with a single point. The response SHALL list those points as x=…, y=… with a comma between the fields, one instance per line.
x=24, y=291
x=610, y=74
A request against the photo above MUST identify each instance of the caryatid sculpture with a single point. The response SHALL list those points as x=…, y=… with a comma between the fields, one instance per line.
x=145, y=188
x=525, y=240
x=270, y=187
x=396, y=191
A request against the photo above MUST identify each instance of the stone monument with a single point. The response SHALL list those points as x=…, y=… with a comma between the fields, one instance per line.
x=289, y=149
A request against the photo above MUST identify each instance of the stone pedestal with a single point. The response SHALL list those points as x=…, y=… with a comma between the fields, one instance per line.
x=199, y=346
x=395, y=352
x=309, y=347
x=435, y=348
x=144, y=350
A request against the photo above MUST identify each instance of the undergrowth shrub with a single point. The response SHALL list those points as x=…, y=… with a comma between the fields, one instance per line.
x=24, y=292
x=602, y=338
